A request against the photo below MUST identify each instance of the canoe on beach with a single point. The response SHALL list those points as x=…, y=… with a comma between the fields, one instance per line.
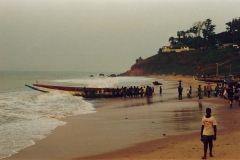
x=215, y=80
x=83, y=91
x=75, y=91
x=219, y=80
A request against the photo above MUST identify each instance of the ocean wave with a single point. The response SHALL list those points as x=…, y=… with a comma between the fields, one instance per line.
x=30, y=116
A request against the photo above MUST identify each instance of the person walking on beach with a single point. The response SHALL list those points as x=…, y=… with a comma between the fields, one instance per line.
x=209, y=89
x=230, y=94
x=217, y=90
x=160, y=90
x=208, y=132
x=180, y=89
x=190, y=91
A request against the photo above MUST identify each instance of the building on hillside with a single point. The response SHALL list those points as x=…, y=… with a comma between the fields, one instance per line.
x=166, y=49
x=175, y=48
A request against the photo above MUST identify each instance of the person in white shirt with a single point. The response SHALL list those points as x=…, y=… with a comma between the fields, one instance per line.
x=208, y=132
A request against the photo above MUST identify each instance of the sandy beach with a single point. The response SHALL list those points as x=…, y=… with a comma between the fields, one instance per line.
x=129, y=129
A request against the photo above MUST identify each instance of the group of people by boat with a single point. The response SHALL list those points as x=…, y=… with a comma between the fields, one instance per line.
x=228, y=91
x=133, y=91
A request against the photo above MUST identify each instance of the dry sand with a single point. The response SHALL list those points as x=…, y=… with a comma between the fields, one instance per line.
x=85, y=138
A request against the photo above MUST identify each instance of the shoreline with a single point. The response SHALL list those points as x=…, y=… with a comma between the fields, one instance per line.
x=187, y=146
x=65, y=140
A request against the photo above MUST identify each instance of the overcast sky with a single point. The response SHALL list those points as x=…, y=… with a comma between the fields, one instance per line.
x=97, y=35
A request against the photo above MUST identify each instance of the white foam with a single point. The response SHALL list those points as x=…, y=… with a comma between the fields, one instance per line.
x=30, y=116
x=27, y=116
x=18, y=135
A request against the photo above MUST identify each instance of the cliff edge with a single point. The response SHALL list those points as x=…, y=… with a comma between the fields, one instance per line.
x=198, y=62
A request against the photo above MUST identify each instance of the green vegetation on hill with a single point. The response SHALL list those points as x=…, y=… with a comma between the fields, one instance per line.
x=202, y=35
x=195, y=62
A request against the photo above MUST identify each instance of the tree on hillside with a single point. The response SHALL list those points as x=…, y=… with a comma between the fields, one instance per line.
x=233, y=27
x=196, y=30
x=198, y=26
x=208, y=31
x=173, y=40
x=201, y=34
x=224, y=37
x=181, y=35
x=188, y=33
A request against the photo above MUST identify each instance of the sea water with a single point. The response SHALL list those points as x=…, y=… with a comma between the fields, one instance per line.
x=27, y=115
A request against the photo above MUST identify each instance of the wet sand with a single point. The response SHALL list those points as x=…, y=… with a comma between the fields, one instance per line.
x=131, y=129
x=188, y=146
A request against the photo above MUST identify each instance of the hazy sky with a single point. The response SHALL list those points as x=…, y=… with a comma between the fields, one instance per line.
x=97, y=35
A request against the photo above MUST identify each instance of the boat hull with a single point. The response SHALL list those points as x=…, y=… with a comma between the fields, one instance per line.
x=47, y=89
x=211, y=80
x=79, y=91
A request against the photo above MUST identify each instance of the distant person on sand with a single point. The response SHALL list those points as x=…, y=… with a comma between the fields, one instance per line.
x=217, y=90
x=208, y=132
x=190, y=91
x=160, y=90
x=230, y=94
x=209, y=89
x=205, y=91
x=180, y=89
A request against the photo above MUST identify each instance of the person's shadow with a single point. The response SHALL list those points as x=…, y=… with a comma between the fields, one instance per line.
x=200, y=105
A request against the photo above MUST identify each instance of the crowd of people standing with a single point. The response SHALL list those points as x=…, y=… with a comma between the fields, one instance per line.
x=229, y=91
x=133, y=91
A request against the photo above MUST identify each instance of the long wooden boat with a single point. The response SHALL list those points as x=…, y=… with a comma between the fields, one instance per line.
x=79, y=91
x=215, y=80
x=35, y=88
